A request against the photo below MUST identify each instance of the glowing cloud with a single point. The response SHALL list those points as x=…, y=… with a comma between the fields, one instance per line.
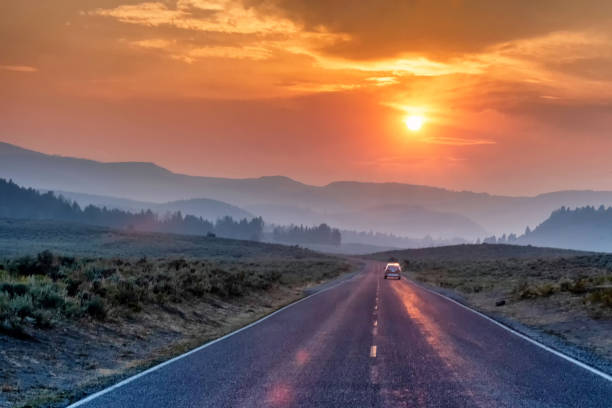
x=18, y=68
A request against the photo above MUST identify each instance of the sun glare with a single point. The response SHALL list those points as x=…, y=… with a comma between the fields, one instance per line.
x=414, y=123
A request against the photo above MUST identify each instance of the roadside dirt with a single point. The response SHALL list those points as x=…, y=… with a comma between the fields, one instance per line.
x=559, y=301
x=56, y=366
x=562, y=315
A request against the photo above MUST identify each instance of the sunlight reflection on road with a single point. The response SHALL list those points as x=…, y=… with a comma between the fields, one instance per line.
x=284, y=383
x=455, y=366
x=431, y=331
x=280, y=395
x=302, y=357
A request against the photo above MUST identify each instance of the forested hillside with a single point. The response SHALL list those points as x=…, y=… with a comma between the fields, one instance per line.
x=586, y=228
x=19, y=202
x=323, y=234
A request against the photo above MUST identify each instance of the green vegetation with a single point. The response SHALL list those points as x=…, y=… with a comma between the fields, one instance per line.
x=19, y=203
x=27, y=203
x=587, y=278
x=323, y=234
x=38, y=291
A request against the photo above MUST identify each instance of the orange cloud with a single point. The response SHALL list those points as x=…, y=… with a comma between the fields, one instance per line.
x=323, y=80
x=224, y=16
x=18, y=68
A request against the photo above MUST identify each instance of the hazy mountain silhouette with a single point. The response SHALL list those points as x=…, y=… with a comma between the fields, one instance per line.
x=200, y=207
x=397, y=219
x=283, y=200
x=584, y=228
x=134, y=180
x=27, y=203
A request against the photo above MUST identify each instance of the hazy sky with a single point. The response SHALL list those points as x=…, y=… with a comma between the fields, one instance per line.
x=516, y=95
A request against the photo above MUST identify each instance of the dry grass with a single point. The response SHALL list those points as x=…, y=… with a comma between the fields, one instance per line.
x=39, y=291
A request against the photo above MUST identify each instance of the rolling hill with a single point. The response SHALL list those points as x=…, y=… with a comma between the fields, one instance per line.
x=584, y=228
x=471, y=252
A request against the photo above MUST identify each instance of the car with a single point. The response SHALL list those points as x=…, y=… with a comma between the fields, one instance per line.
x=393, y=270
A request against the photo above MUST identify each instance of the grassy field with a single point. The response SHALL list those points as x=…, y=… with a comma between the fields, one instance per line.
x=98, y=304
x=25, y=237
x=564, y=293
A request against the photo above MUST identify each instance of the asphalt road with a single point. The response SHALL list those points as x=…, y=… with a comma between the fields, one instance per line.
x=368, y=342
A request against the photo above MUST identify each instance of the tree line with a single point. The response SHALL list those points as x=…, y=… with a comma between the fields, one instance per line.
x=585, y=228
x=392, y=240
x=323, y=234
x=28, y=203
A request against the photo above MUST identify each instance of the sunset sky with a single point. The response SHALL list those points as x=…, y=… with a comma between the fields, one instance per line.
x=515, y=96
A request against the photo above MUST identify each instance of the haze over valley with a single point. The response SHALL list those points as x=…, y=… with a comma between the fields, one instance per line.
x=402, y=210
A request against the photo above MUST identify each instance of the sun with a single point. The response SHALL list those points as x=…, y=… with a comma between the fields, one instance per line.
x=414, y=122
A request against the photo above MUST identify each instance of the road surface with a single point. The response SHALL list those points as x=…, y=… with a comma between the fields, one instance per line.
x=368, y=342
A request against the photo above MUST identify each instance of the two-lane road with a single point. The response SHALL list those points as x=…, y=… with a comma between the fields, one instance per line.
x=368, y=342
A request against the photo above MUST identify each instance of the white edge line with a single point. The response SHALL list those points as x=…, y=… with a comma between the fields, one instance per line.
x=521, y=335
x=199, y=348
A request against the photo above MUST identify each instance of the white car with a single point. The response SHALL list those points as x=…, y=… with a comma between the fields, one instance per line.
x=393, y=270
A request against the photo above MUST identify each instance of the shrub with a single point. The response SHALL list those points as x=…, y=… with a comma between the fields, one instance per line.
x=525, y=290
x=42, y=318
x=46, y=295
x=24, y=266
x=14, y=289
x=95, y=308
x=5, y=301
x=11, y=326
x=94, y=272
x=67, y=261
x=546, y=289
x=177, y=264
x=72, y=309
x=602, y=296
x=98, y=288
x=40, y=290
x=35, y=300
x=21, y=306
x=574, y=286
x=125, y=294
x=43, y=264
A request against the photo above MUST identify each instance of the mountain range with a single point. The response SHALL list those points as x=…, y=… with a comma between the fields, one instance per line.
x=402, y=209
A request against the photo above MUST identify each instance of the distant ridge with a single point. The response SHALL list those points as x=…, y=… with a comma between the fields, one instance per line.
x=384, y=207
x=470, y=252
x=583, y=228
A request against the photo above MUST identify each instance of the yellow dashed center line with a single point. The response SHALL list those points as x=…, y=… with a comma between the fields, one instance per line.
x=375, y=329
